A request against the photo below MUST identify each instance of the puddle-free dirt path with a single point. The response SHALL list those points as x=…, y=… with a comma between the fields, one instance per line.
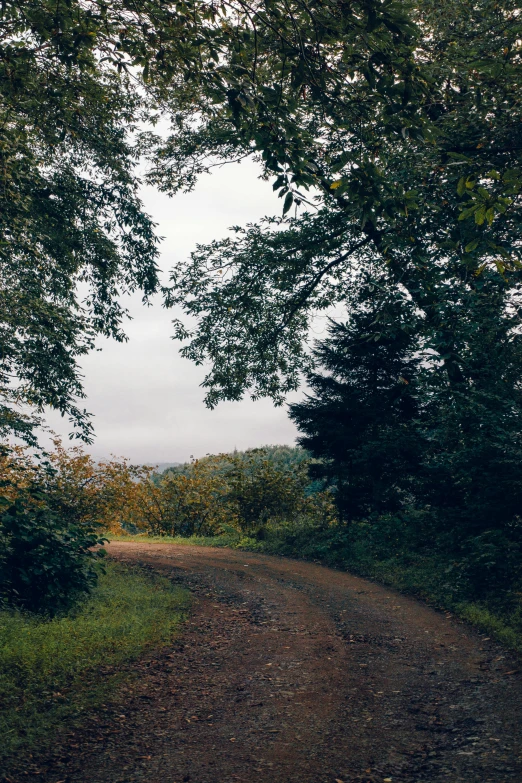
x=289, y=672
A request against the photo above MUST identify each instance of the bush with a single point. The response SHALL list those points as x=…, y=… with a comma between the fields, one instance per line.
x=244, y=491
x=492, y=562
x=46, y=564
x=51, y=507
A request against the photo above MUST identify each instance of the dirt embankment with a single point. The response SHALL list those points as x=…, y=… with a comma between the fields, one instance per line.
x=288, y=672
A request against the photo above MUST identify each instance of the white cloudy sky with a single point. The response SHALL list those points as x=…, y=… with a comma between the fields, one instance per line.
x=145, y=398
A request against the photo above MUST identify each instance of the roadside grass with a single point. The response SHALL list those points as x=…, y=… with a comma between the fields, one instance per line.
x=424, y=576
x=224, y=540
x=53, y=671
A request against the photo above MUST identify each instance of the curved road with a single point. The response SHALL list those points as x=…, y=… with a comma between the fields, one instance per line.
x=289, y=672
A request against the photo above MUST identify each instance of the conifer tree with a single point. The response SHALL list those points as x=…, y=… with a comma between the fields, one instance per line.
x=360, y=418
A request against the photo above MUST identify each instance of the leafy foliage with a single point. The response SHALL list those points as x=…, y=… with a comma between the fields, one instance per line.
x=397, y=123
x=52, y=511
x=46, y=559
x=404, y=129
x=46, y=563
x=75, y=236
x=183, y=503
x=242, y=491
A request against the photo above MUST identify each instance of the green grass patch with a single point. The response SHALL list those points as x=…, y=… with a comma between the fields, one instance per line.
x=429, y=577
x=224, y=540
x=53, y=671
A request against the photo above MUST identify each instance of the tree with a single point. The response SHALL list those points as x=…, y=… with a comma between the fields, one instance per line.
x=79, y=80
x=360, y=420
x=406, y=132
x=472, y=428
x=74, y=233
x=430, y=461
x=185, y=503
x=261, y=491
x=104, y=494
x=399, y=123
x=242, y=491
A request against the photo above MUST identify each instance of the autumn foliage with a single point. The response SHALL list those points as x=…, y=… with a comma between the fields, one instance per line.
x=55, y=508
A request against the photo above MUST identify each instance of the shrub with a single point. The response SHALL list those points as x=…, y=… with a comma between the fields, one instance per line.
x=46, y=563
x=51, y=507
x=492, y=562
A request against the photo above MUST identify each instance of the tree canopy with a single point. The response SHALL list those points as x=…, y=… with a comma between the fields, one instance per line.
x=394, y=128
x=400, y=143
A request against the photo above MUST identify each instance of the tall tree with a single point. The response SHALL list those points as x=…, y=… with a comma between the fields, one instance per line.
x=78, y=78
x=360, y=420
x=400, y=123
x=406, y=132
x=472, y=427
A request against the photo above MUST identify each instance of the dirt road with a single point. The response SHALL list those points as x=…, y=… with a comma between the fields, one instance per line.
x=288, y=672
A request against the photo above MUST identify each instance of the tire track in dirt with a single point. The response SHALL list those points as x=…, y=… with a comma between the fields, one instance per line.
x=289, y=672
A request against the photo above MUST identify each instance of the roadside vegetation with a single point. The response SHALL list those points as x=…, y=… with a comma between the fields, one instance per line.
x=54, y=670
x=476, y=577
x=366, y=503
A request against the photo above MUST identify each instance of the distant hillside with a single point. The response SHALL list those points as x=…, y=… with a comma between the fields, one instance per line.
x=284, y=457
x=162, y=466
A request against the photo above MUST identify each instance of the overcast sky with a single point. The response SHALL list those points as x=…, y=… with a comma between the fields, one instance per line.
x=146, y=400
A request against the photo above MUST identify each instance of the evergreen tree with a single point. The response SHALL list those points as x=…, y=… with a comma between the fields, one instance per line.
x=359, y=420
x=473, y=425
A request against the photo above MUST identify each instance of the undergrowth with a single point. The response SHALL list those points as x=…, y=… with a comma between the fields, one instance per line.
x=54, y=670
x=431, y=577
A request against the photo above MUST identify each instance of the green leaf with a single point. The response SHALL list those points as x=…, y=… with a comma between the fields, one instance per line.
x=490, y=215
x=458, y=156
x=480, y=215
x=289, y=200
x=466, y=213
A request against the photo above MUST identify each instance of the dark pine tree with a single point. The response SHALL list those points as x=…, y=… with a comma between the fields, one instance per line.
x=359, y=419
